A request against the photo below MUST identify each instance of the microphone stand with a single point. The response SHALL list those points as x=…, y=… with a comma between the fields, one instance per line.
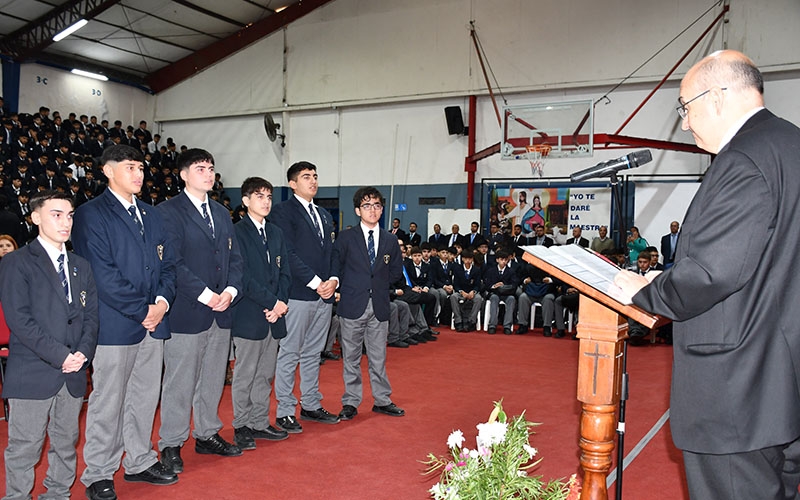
x=624, y=380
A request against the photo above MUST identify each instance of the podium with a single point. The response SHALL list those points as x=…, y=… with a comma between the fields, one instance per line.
x=602, y=330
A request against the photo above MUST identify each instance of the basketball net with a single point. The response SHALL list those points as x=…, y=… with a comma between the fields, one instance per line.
x=537, y=154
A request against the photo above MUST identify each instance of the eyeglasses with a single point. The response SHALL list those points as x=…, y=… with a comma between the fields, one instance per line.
x=682, y=111
x=371, y=206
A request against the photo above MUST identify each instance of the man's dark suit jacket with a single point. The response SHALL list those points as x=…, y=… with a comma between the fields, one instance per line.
x=733, y=292
x=264, y=282
x=471, y=240
x=415, y=240
x=45, y=328
x=202, y=262
x=307, y=258
x=400, y=235
x=517, y=242
x=548, y=241
x=582, y=242
x=438, y=239
x=666, y=247
x=357, y=282
x=131, y=271
x=459, y=239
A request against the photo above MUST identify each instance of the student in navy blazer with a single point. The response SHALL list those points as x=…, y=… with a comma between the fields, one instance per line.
x=53, y=338
x=209, y=268
x=363, y=307
x=126, y=244
x=258, y=317
x=309, y=236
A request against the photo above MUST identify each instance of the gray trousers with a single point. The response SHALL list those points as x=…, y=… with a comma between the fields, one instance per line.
x=455, y=304
x=253, y=374
x=399, y=319
x=194, y=376
x=366, y=330
x=307, y=325
x=333, y=333
x=549, y=310
x=126, y=385
x=29, y=419
x=494, y=308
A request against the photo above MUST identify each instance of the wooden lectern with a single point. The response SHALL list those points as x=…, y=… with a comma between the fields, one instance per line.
x=602, y=329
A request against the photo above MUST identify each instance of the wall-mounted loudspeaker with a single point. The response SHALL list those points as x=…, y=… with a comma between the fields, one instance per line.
x=455, y=122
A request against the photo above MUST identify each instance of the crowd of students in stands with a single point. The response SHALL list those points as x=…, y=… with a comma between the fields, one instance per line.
x=47, y=151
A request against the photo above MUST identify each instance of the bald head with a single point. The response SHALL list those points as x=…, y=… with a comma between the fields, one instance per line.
x=716, y=93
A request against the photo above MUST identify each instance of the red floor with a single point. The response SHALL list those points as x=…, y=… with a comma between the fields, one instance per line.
x=446, y=385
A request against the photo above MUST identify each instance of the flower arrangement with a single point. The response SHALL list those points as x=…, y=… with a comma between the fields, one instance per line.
x=497, y=468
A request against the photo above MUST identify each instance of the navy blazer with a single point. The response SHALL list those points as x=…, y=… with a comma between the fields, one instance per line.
x=491, y=275
x=466, y=282
x=307, y=257
x=45, y=328
x=131, y=271
x=425, y=279
x=357, y=282
x=264, y=282
x=440, y=277
x=202, y=262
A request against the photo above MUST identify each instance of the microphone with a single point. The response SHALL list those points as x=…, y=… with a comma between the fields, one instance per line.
x=632, y=160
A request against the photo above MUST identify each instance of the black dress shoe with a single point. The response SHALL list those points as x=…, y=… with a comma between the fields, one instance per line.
x=491, y=330
x=458, y=327
x=320, y=415
x=171, y=457
x=215, y=445
x=560, y=334
x=419, y=338
x=348, y=412
x=390, y=409
x=397, y=343
x=523, y=329
x=330, y=355
x=157, y=473
x=507, y=330
x=243, y=437
x=289, y=424
x=101, y=490
x=547, y=331
x=410, y=341
x=270, y=434
x=432, y=332
x=427, y=335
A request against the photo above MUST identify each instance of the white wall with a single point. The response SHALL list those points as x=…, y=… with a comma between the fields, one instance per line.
x=64, y=92
x=366, y=83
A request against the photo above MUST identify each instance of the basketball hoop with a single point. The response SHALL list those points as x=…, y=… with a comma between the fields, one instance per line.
x=537, y=154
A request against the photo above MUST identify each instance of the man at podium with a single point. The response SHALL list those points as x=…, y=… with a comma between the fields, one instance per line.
x=735, y=399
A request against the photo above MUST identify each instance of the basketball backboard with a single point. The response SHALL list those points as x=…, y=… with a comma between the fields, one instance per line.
x=567, y=127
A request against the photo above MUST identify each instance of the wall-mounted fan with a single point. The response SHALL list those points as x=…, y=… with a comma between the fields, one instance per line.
x=272, y=129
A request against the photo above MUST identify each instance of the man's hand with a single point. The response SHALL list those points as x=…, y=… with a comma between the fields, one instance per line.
x=270, y=315
x=280, y=308
x=223, y=303
x=399, y=292
x=448, y=289
x=155, y=313
x=326, y=289
x=73, y=363
x=630, y=283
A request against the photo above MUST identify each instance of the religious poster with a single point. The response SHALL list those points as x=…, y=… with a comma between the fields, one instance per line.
x=558, y=209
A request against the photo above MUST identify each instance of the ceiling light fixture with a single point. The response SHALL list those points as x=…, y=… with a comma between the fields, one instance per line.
x=72, y=29
x=87, y=74
x=280, y=9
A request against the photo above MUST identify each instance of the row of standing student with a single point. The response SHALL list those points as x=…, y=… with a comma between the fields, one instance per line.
x=171, y=295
